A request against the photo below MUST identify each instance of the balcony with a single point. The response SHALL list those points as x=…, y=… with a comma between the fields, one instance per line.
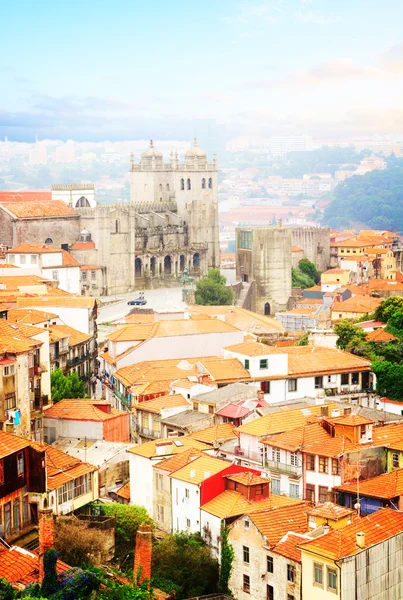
x=71, y=362
x=280, y=467
x=249, y=455
x=122, y=398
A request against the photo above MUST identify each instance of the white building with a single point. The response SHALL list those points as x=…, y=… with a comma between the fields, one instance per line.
x=75, y=195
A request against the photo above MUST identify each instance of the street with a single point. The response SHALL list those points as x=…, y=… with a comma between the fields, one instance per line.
x=160, y=298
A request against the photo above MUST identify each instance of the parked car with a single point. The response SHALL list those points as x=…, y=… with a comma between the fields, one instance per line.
x=137, y=302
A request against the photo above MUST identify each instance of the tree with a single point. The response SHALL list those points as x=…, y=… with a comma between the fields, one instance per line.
x=307, y=267
x=388, y=307
x=89, y=543
x=301, y=280
x=128, y=518
x=63, y=386
x=347, y=332
x=389, y=379
x=211, y=290
x=182, y=562
x=303, y=340
x=226, y=562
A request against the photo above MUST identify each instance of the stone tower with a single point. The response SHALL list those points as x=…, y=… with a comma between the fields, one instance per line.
x=188, y=189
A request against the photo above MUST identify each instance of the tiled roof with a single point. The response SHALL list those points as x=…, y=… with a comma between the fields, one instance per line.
x=17, y=344
x=390, y=436
x=81, y=409
x=329, y=510
x=333, y=447
x=296, y=249
x=29, y=316
x=136, y=318
x=58, y=479
x=379, y=335
x=131, y=333
x=178, y=460
x=232, y=504
x=221, y=431
x=340, y=543
x=297, y=438
x=20, y=329
x=21, y=567
x=75, y=337
x=163, y=402
x=82, y=246
x=15, y=282
x=248, y=479
x=32, y=196
x=10, y=443
x=276, y=522
x=179, y=327
x=66, y=300
x=89, y=267
x=243, y=319
x=233, y=411
x=200, y=469
x=357, y=304
x=34, y=209
x=252, y=349
x=386, y=486
x=352, y=420
x=166, y=447
x=285, y=420
x=288, y=546
x=124, y=491
x=335, y=271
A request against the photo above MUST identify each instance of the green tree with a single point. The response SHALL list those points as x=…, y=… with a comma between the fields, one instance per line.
x=301, y=280
x=307, y=267
x=226, y=561
x=347, y=332
x=6, y=590
x=389, y=379
x=128, y=519
x=388, y=307
x=211, y=290
x=184, y=560
x=63, y=386
x=304, y=340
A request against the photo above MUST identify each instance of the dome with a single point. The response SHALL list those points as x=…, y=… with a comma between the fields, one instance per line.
x=84, y=232
x=195, y=151
x=151, y=152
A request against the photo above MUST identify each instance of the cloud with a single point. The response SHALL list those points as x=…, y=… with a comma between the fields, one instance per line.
x=392, y=59
x=315, y=18
x=74, y=104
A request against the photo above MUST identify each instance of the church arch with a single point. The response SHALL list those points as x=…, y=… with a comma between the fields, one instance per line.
x=267, y=309
x=48, y=241
x=152, y=266
x=117, y=226
x=167, y=265
x=182, y=263
x=138, y=267
x=83, y=202
x=189, y=184
x=196, y=260
x=167, y=187
x=203, y=183
x=210, y=183
x=182, y=184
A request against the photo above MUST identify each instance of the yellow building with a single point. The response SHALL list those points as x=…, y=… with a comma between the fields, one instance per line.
x=341, y=277
x=360, y=560
x=354, y=307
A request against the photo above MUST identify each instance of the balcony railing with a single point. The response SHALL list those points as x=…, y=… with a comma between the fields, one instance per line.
x=280, y=467
x=249, y=454
x=122, y=398
x=77, y=359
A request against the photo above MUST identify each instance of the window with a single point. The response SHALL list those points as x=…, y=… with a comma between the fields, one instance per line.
x=7, y=519
x=23, y=259
x=246, y=524
x=10, y=401
x=93, y=275
x=395, y=460
x=34, y=259
x=294, y=490
x=290, y=573
x=189, y=184
x=84, y=275
x=195, y=406
x=160, y=512
x=323, y=492
x=294, y=459
x=318, y=383
x=55, y=275
x=331, y=579
x=270, y=592
x=203, y=183
x=275, y=486
x=290, y=597
x=355, y=378
x=8, y=370
x=363, y=431
x=188, y=523
x=211, y=409
x=117, y=226
x=187, y=493
x=318, y=574
x=263, y=363
x=344, y=379
x=335, y=467
x=182, y=184
x=160, y=482
x=1, y=475
x=275, y=454
x=25, y=510
x=310, y=462
x=265, y=387
x=310, y=492
x=246, y=240
x=245, y=554
x=322, y=464
x=210, y=183
x=270, y=564
x=20, y=464
x=11, y=258
x=258, y=489
x=246, y=363
x=292, y=385
x=16, y=515
x=167, y=187
x=246, y=584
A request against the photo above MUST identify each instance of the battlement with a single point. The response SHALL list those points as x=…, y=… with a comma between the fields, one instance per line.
x=199, y=166
x=70, y=187
x=147, y=207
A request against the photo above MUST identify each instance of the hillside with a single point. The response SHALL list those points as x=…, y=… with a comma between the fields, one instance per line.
x=373, y=201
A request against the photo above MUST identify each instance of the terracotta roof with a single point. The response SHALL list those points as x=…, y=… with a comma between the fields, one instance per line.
x=34, y=249
x=297, y=438
x=340, y=543
x=248, y=479
x=21, y=567
x=89, y=267
x=386, y=486
x=124, y=491
x=15, y=282
x=166, y=447
x=284, y=420
x=296, y=249
x=241, y=318
x=21, y=330
x=276, y=522
x=380, y=335
x=34, y=209
x=136, y=318
x=233, y=411
x=288, y=546
x=75, y=337
x=200, y=469
x=221, y=431
x=390, y=436
x=33, y=195
x=10, y=443
x=329, y=510
x=17, y=344
x=178, y=460
x=333, y=447
x=233, y=504
x=30, y=316
x=177, y=327
x=81, y=409
x=352, y=419
x=252, y=349
x=357, y=304
x=58, y=479
x=82, y=246
x=65, y=300
x=335, y=271
x=163, y=402
x=131, y=333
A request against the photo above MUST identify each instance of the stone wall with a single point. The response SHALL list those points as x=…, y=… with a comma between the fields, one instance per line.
x=315, y=242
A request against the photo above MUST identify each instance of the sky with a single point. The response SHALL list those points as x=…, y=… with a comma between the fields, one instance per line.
x=124, y=69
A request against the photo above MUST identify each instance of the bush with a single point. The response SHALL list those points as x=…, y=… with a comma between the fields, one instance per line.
x=89, y=543
x=212, y=291
x=66, y=387
x=128, y=518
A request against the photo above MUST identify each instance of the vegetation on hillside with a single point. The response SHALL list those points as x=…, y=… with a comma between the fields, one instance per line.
x=305, y=276
x=211, y=290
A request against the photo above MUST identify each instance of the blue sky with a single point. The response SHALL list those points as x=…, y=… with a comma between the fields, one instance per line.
x=102, y=69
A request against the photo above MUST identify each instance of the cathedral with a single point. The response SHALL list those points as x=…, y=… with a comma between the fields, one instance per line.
x=169, y=225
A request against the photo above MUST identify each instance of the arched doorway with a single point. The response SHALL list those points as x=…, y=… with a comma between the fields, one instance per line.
x=138, y=267
x=152, y=266
x=182, y=263
x=82, y=202
x=267, y=309
x=196, y=261
x=167, y=265
x=48, y=241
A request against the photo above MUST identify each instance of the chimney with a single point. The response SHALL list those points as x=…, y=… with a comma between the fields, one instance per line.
x=46, y=536
x=260, y=395
x=347, y=411
x=360, y=539
x=142, y=555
